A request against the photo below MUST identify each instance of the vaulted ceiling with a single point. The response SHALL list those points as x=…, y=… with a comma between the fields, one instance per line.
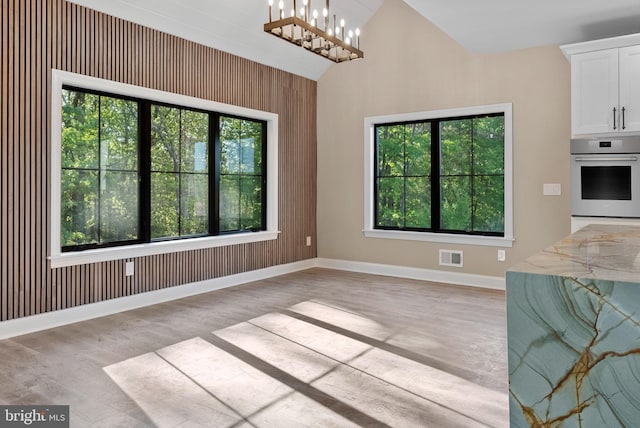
x=482, y=26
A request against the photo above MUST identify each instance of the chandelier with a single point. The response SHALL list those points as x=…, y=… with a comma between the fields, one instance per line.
x=305, y=28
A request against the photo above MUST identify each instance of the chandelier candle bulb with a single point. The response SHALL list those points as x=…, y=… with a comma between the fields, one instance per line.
x=325, y=14
x=270, y=6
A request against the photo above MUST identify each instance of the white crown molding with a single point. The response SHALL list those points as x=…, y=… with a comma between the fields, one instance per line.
x=598, y=45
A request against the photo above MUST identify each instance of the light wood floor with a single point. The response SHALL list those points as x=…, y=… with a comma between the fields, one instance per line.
x=314, y=348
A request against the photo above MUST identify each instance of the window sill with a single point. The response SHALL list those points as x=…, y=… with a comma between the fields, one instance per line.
x=444, y=238
x=155, y=248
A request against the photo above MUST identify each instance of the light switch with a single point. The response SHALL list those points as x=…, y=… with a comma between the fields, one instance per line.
x=552, y=189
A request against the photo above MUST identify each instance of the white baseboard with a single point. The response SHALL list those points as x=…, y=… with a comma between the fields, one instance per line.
x=30, y=324
x=448, y=277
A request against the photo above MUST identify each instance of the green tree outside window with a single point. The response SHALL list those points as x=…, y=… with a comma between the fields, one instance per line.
x=135, y=171
x=460, y=191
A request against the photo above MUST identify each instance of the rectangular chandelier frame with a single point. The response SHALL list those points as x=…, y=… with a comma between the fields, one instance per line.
x=301, y=33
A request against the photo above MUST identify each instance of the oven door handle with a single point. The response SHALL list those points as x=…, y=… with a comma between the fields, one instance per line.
x=607, y=159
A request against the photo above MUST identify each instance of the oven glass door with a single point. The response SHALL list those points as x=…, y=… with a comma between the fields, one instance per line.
x=612, y=182
x=605, y=185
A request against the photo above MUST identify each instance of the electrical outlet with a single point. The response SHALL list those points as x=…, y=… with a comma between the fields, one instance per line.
x=308, y=241
x=502, y=255
x=129, y=268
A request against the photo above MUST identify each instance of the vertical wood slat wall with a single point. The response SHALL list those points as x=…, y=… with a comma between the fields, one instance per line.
x=38, y=35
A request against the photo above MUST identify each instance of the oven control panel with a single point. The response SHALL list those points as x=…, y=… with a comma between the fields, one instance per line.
x=609, y=145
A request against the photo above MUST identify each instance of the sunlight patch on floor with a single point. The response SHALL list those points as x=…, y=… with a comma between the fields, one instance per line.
x=344, y=319
x=278, y=370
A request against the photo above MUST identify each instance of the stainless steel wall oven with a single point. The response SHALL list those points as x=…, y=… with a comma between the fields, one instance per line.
x=605, y=177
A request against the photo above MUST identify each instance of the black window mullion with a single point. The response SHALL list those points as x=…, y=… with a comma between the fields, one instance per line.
x=263, y=152
x=404, y=178
x=263, y=163
x=436, y=181
x=214, y=174
x=240, y=175
x=472, y=177
x=179, y=172
x=376, y=176
x=98, y=193
x=144, y=152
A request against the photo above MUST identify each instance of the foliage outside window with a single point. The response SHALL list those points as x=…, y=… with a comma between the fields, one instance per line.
x=133, y=171
x=100, y=167
x=179, y=172
x=443, y=175
x=241, y=174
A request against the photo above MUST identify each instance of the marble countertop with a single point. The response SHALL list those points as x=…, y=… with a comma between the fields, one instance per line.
x=608, y=252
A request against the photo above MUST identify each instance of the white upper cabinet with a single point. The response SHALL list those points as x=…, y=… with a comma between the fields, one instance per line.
x=605, y=86
x=629, y=60
x=594, y=92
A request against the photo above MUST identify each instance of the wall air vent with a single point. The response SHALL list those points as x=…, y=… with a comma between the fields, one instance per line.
x=450, y=258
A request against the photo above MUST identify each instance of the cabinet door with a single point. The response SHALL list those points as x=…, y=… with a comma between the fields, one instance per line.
x=630, y=88
x=594, y=92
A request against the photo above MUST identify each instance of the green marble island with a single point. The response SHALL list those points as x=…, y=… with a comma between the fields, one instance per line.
x=573, y=326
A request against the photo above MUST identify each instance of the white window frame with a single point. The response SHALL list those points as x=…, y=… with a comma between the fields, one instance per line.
x=446, y=238
x=60, y=259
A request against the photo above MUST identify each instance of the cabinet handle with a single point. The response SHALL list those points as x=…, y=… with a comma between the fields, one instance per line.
x=614, y=118
x=623, y=126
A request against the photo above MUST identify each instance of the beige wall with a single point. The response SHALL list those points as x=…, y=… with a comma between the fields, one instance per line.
x=410, y=65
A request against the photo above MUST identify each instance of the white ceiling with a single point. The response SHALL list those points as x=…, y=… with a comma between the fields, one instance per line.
x=489, y=26
x=482, y=26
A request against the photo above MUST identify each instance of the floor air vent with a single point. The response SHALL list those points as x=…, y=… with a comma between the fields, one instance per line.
x=451, y=258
